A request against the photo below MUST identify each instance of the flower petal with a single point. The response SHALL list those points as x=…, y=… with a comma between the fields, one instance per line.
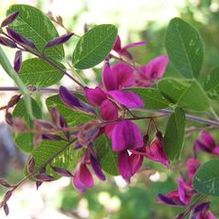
x=95, y=95
x=124, y=74
x=156, y=68
x=127, y=98
x=156, y=152
x=124, y=165
x=117, y=45
x=109, y=78
x=85, y=176
x=131, y=45
x=126, y=135
x=192, y=166
x=108, y=110
x=135, y=162
x=96, y=167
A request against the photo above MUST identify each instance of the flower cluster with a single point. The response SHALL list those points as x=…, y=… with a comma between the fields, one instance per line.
x=113, y=100
x=185, y=192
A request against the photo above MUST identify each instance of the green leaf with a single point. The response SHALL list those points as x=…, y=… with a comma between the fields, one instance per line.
x=94, y=46
x=58, y=153
x=212, y=84
x=35, y=25
x=37, y=72
x=72, y=117
x=184, y=47
x=174, y=134
x=187, y=94
x=206, y=179
x=25, y=140
x=108, y=159
x=152, y=98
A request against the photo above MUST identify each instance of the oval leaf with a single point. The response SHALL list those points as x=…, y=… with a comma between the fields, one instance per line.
x=187, y=94
x=184, y=47
x=34, y=25
x=174, y=134
x=94, y=46
x=206, y=179
x=152, y=98
x=37, y=72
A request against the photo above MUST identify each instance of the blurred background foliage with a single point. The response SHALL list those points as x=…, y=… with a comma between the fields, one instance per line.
x=114, y=199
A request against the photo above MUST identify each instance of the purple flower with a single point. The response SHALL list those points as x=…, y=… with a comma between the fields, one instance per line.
x=155, y=151
x=129, y=164
x=126, y=135
x=124, y=50
x=201, y=211
x=113, y=81
x=83, y=178
x=151, y=72
x=180, y=197
x=206, y=143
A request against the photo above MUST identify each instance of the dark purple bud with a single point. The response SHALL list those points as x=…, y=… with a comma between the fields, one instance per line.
x=31, y=165
x=14, y=100
x=4, y=183
x=200, y=207
x=9, y=19
x=20, y=39
x=6, y=209
x=69, y=98
x=38, y=184
x=62, y=171
x=72, y=101
x=7, y=196
x=166, y=199
x=59, y=40
x=17, y=61
x=6, y=42
x=44, y=177
x=78, y=146
x=96, y=167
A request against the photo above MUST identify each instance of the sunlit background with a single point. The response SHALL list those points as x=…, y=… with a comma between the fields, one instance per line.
x=136, y=20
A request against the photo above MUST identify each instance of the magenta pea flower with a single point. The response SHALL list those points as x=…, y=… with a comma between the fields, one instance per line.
x=206, y=143
x=153, y=71
x=110, y=97
x=180, y=197
x=124, y=50
x=129, y=164
x=126, y=135
x=83, y=178
x=201, y=211
x=155, y=151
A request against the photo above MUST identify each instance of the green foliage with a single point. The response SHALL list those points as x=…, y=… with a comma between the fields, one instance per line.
x=212, y=84
x=58, y=154
x=37, y=72
x=94, y=46
x=25, y=140
x=108, y=159
x=174, y=134
x=72, y=117
x=152, y=98
x=188, y=94
x=207, y=178
x=184, y=47
x=34, y=25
